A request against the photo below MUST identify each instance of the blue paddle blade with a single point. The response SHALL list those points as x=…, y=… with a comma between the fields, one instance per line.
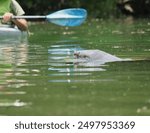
x=68, y=17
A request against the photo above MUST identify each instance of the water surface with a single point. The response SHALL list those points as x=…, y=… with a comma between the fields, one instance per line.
x=40, y=78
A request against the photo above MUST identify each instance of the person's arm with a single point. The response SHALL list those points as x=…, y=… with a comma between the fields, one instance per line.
x=20, y=23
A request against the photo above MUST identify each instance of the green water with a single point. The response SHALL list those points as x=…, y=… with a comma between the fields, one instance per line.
x=36, y=80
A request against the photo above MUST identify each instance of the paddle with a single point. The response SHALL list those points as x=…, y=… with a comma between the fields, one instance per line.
x=66, y=17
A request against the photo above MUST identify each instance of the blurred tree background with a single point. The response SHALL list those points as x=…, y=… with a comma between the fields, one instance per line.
x=95, y=8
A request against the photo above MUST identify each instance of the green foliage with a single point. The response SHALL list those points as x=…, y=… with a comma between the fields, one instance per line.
x=95, y=8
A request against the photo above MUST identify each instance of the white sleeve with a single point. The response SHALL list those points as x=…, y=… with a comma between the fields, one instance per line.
x=16, y=8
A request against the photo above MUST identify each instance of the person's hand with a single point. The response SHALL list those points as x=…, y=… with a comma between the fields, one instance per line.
x=7, y=17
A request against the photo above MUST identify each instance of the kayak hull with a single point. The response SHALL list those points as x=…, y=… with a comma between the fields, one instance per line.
x=10, y=34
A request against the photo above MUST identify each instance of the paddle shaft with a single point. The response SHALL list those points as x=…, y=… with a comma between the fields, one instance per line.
x=45, y=17
x=27, y=17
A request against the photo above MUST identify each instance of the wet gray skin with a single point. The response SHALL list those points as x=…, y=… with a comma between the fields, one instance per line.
x=94, y=58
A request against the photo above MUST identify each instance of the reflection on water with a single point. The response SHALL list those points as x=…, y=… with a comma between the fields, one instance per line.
x=12, y=56
x=16, y=103
x=63, y=62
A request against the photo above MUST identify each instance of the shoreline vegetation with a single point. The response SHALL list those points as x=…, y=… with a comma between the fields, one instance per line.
x=95, y=8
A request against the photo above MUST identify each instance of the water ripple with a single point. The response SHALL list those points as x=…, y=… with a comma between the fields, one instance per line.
x=62, y=63
x=16, y=103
